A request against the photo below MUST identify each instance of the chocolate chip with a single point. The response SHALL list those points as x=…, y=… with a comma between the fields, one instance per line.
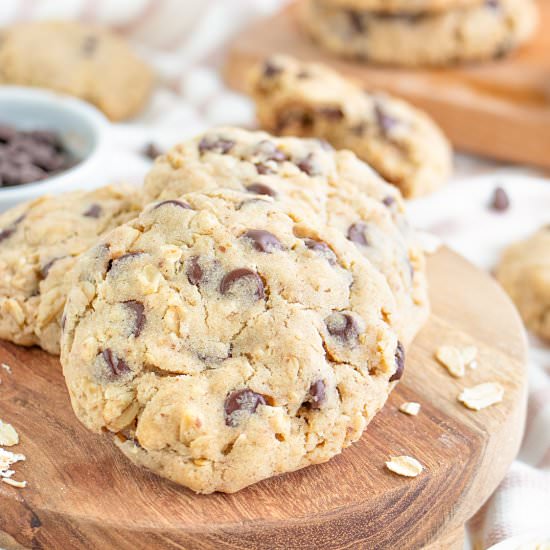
x=356, y=21
x=63, y=321
x=317, y=393
x=194, y=271
x=139, y=320
x=308, y=165
x=388, y=201
x=94, y=211
x=216, y=145
x=117, y=365
x=270, y=151
x=494, y=4
x=237, y=275
x=321, y=248
x=261, y=189
x=7, y=232
x=385, y=121
x=303, y=74
x=500, y=201
x=241, y=401
x=173, y=202
x=359, y=129
x=399, y=361
x=151, y=151
x=89, y=45
x=263, y=241
x=342, y=326
x=331, y=113
x=111, y=263
x=356, y=233
x=264, y=169
x=270, y=69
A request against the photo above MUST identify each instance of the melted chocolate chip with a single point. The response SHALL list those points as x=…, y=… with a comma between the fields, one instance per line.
x=342, y=326
x=308, y=165
x=173, y=202
x=385, y=121
x=263, y=241
x=270, y=69
x=111, y=263
x=241, y=401
x=264, y=169
x=321, y=248
x=261, y=189
x=118, y=366
x=216, y=145
x=242, y=273
x=139, y=319
x=500, y=201
x=399, y=361
x=194, y=271
x=317, y=393
x=332, y=113
x=356, y=233
x=94, y=211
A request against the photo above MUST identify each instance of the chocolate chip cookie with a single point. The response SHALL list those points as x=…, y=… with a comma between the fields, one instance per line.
x=478, y=32
x=524, y=272
x=405, y=6
x=310, y=180
x=308, y=99
x=87, y=62
x=39, y=244
x=225, y=342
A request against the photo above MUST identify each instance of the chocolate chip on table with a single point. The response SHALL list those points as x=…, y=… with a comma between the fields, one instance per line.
x=317, y=394
x=139, y=320
x=174, y=202
x=500, y=201
x=94, y=211
x=215, y=145
x=399, y=361
x=29, y=156
x=118, y=367
x=357, y=233
x=261, y=189
x=241, y=401
x=151, y=151
x=263, y=241
x=321, y=248
x=238, y=275
x=342, y=326
x=194, y=271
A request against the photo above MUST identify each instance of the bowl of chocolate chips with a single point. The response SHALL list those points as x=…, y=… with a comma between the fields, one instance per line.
x=49, y=143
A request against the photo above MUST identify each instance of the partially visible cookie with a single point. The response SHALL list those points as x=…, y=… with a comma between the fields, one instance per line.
x=87, y=62
x=221, y=346
x=39, y=244
x=310, y=180
x=524, y=272
x=478, y=32
x=404, y=6
x=308, y=99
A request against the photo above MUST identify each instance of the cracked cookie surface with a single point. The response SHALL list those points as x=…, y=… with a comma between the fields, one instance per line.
x=524, y=272
x=308, y=179
x=39, y=244
x=470, y=33
x=311, y=100
x=225, y=342
x=81, y=60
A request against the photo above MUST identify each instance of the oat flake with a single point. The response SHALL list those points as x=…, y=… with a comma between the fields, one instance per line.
x=482, y=396
x=14, y=483
x=451, y=358
x=411, y=408
x=404, y=466
x=8, y=435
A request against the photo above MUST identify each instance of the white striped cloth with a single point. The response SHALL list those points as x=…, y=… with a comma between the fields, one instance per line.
x=184, y=41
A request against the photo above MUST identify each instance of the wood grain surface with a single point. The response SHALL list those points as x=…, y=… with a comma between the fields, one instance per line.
x=499, y=109
x=82, y=493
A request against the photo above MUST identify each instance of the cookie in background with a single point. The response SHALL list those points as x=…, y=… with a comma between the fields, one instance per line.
x=85, y=61
x=400, y=142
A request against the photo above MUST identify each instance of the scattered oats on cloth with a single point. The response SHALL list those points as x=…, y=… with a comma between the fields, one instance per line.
x=482, y=396
x=406, y=466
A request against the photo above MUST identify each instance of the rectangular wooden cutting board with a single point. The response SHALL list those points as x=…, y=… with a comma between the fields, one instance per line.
x=499, y=109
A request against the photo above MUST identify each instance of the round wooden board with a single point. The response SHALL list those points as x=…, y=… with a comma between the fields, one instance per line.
x=82, y=493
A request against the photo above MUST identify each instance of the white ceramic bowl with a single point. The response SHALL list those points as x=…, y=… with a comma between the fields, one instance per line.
x=82, y=128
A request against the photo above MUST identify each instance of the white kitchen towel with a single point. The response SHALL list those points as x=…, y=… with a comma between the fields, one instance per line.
x=184, y=40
